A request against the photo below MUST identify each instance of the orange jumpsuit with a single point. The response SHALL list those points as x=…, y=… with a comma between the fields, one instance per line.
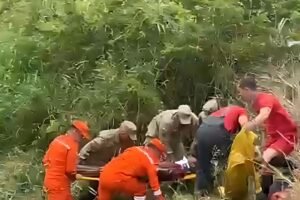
x=123, y=174
x=60, y=162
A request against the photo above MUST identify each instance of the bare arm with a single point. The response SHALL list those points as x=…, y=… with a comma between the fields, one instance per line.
x=263, y=115
x=71, y=164
x=266, y=105
x=243, y=119
x=153, y=178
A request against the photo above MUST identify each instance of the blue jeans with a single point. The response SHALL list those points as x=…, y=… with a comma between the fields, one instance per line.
x=210, y=135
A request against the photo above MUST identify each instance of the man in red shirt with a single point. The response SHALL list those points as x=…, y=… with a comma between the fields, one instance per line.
x=281, y=129
x=215, y=134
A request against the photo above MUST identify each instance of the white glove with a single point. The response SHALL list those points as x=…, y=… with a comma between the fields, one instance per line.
x=184, y=163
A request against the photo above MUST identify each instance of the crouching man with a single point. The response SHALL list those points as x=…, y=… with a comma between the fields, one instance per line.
x=172, y=127
x=126, y=174
x=107, y=145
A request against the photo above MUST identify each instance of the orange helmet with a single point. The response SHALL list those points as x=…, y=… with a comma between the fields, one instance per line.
x=159, y=145
x=83, y=128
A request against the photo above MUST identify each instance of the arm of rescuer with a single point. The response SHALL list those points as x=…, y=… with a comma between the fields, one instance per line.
x=160, y=128
x=263, y=115
x=92, y=146
x=47, y=154
x=45, y=159
x=152, y=130
x=243, y=119
x=71, y=162
x=166, y=137
x=266, y=106
x=151, y=169
x=194, y=128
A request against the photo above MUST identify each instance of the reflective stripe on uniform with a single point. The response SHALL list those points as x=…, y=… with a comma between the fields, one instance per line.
x=139, y=197
x=64, y=144
x=146, y=154
x=92, y=191
x=46, y=164
x=157, y=192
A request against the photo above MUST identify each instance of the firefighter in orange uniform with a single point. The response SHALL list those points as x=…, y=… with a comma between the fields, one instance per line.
x=125, y=173
x=60, y=161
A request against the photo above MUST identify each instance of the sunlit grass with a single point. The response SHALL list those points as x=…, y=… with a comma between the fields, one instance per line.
x=20, y=176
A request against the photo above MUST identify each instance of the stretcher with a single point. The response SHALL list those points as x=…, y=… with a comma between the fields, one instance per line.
x=84, y=178
x=167, y=172
x=241, y=178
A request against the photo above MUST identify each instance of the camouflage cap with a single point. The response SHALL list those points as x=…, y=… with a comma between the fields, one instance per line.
x=130, y=128
x=210, y=106
x=185, y=114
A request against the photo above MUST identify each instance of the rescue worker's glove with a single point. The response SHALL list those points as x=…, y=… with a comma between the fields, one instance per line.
x=71, y=177
x=184, y=163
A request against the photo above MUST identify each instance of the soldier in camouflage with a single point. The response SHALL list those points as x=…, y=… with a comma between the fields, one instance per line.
x=107, y=145
x=172, y=127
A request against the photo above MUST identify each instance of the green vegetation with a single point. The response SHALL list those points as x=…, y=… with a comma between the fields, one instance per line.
x=109, y=60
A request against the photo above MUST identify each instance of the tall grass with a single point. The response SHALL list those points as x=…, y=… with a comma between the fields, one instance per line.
x=21, y=175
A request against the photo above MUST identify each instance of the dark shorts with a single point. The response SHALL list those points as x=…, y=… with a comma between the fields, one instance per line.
x=213, y=142
x=212, y=134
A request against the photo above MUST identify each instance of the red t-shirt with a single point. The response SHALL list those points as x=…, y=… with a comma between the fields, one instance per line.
x=279, y=120
x=231, y=116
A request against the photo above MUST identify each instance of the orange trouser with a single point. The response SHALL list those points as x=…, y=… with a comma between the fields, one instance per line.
x=131, y=187
x=59, y=194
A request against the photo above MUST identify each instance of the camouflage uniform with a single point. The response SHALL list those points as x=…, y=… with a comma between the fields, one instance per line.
x=106, y=145
x=103, y=148
x=168, y=127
